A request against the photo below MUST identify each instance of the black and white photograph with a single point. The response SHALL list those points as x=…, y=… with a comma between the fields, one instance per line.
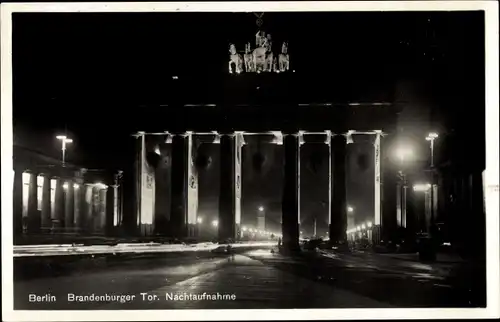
x=252, y=157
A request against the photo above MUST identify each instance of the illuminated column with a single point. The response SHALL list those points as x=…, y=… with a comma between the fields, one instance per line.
x=398, y=204
x=101, y=209
x=18, y=202
x=192, y=184
x=86, y=219
x=145, y=189
x=239, y=142
x=46, y=218
x=376, y=230
x=178, y=214
x=227, y=229
x=338, y=214
x=427, y=220
x=69, y=205
x=111, y=210
x=403, y=202
x=33, y=216
x=58, y=210
x=329, y=136
x=77, y=209
x=291, y=191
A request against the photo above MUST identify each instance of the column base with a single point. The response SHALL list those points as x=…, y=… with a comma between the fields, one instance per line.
x=376, y=235
x=290, y=242
x=192, y=231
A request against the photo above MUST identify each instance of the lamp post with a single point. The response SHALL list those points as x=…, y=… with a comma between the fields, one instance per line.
x=431, y=137
x=64, y=140
x=403, y=155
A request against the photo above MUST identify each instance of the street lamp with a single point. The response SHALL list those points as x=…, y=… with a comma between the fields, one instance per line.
x=64, y=140
x=350, y=209
x=199, y=220
x=215, y=223
x=245, y=228
x=261, y=208
x=431, y=137
x=369, y=224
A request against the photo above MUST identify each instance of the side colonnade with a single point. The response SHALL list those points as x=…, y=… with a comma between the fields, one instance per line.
x=54, y=200
x=184, y=182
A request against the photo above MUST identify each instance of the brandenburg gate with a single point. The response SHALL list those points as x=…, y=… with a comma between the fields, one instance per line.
x=260, y=95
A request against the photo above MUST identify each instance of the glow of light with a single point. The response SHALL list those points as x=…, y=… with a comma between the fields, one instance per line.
x=363, y=226
x=370, y=224
x=245, y=228
x=358, y=228
x=65, y=185
x=421, y=187
x=215, y=223
x=402, y=153
x=350, y=209
x=175, y=77
x=61, y=137
x=261, y=208
x=251, y=230
x=199, y=220
x=432, y=136
x=26, y=177
x=100, y=185
x=157, y=150
x=76, y=186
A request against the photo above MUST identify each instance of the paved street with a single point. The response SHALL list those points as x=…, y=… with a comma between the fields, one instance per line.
x=256, y=278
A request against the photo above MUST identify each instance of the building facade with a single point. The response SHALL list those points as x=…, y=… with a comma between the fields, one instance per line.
x=52, y=200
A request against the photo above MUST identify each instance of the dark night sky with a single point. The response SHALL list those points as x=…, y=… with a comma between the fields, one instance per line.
x=91, y=72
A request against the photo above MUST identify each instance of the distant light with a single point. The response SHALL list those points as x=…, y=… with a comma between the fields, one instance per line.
x=61, y=137
x=370, y=224
x=215, y=223
x=245, y=228
x=65, y=186
x=199, y=220
x=363, y=226
x=350, y=209
x=358, y=228
x=175, y=77
x=420, y=187
x=251, y=230
x=76, y=186
x=404, y=152
x=261, y=208
x=432, y=136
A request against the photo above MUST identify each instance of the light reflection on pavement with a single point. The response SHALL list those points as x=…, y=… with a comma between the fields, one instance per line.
x=259, y=278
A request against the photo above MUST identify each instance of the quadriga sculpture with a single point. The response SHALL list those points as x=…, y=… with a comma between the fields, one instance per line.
x=235, y=58
x=284, y=59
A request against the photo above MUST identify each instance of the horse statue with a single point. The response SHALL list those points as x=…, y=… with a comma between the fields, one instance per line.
x=235, y=58
x=262, y=55
x=248, y=57
x=269, y=54
x=284, y=59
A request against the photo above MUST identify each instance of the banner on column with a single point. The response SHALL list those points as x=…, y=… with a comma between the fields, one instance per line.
x=192, y=176
x=377, y=180
x=237, y=173
x=147, y=187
